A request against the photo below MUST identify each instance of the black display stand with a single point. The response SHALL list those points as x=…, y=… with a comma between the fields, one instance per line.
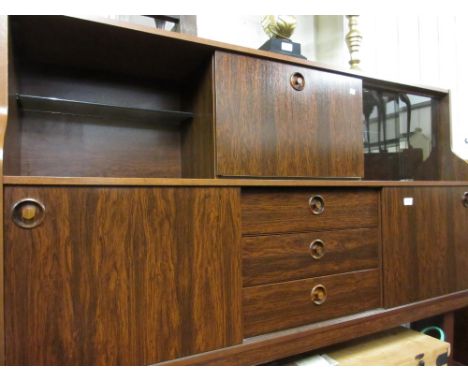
x=284, y=46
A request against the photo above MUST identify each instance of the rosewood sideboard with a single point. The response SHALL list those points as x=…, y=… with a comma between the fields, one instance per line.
x=174, y=200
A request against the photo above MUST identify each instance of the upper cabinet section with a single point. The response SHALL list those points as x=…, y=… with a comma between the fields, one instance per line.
x=277, y=120
x=399, y=134
x=407, y=136
x=88, y=99
x=93, y=98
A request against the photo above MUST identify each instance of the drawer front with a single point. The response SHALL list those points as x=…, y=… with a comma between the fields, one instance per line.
x=270, y=211
x=268, y=308
x=277, y=258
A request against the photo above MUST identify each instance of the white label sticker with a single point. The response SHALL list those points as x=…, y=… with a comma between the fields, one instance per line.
x=352, y=91
x=288, y=47
x=407, y=201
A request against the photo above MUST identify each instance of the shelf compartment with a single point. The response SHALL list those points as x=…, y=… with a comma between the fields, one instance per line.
x=99, y=110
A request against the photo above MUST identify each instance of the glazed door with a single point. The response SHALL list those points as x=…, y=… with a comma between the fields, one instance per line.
x=120, y=276
x=275, y=119
x=425, y=242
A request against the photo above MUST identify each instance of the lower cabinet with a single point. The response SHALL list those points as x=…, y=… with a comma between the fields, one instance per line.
x=98, y=276
x=425, y=242
x=141, y=275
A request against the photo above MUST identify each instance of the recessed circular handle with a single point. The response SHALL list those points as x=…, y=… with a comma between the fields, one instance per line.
x=317, y=204
x=28, y=213
x=318, y=294
x=297, y=81
x=465, y=199
x=317, y=249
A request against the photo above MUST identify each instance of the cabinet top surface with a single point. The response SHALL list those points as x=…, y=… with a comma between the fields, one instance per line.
x=225, y=182
x=217, y=45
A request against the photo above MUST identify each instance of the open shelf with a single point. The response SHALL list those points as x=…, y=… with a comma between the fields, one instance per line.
x=99, y=110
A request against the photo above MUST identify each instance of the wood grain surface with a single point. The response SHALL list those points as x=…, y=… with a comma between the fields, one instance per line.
x=247, y=182
x=425, y=245
x=451, y=167
x=3, y=126
x=189, y=40
x=198, y=146
x=122, y=276
x=277, y=258
x=119, y=141
x=103, y=47
x=125, y=275
x=270, y=211
x=68, y=145
x=285, y=343
x=264, y=127
x=272, y=307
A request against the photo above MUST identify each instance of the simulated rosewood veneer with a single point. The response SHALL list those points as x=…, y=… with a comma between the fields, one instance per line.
x=292, y=236
x=173, y=200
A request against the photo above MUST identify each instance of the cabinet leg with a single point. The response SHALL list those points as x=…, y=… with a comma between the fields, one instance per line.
x=448, y=325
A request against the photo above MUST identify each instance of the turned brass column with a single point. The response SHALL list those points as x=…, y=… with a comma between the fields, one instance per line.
x=353, y=40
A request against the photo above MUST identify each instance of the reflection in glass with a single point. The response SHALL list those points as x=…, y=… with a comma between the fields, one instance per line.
x=398, y=136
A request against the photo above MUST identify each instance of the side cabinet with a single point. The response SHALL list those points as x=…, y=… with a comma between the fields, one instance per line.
x=120, y=275
x=277, y=120
x=425, y=242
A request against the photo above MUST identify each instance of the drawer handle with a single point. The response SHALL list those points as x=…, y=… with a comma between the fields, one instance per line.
x=297, y=81
x=317, y=249
x=318, y=294
x=317, y=204
x=465, y=199
x=28, y=213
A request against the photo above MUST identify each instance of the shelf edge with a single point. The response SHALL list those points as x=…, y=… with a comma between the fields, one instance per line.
x=111, y=181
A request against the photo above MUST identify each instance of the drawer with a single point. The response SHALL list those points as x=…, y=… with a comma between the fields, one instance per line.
x=272, y=307
x=276, y=258
x=296, y=210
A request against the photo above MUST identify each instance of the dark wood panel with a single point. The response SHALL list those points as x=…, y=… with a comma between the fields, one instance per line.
x=103, y=47
x=425, y=244
x=68, y=145
x=448, y=326
x=269, y=211
x=276, y=258
x=95, y=86
x=266, y=128
x=282, y=344
x=122, y=275
x=451, y=167
x=272, y=307
x=4, y=75
x=198, y=147
x=460, y=349
x=442, y=163
x=12, y=134
x=458, y=234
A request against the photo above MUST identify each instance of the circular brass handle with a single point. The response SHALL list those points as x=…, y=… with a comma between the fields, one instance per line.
x=465, y=199
x=317, y=249
x=317, y=204
x=297, y=81
x=318, y=294
x=28, y=213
